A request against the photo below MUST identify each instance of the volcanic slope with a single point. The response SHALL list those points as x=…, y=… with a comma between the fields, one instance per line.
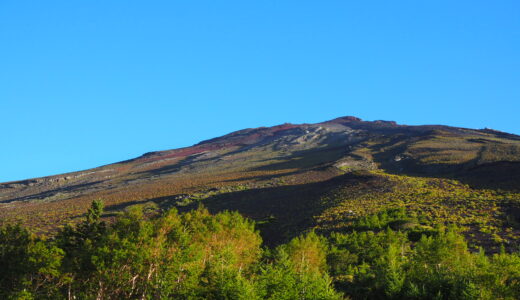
x=293, y=178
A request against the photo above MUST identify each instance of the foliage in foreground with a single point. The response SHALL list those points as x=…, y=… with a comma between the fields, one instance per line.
x=183, y=256
x=196, y=255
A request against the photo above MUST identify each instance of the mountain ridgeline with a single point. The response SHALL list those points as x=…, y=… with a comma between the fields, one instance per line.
x=376, y=209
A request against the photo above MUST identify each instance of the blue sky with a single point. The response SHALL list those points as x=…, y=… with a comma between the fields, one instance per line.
x=86, y=83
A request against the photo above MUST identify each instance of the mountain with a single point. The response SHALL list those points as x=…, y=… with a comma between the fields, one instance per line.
x=295, y=177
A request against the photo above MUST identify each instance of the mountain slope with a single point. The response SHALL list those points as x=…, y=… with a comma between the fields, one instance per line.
x=295, y=177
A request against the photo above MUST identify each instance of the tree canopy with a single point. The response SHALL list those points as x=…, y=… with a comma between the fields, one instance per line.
x=196, y=255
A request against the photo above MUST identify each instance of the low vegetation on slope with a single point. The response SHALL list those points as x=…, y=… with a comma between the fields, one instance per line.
x=488, y=218
x=196, y=255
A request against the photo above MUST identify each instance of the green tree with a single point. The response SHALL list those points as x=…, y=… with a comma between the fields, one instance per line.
x=80, y=244
x=30, y=267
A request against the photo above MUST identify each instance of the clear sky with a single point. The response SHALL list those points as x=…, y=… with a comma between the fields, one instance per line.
x=86, y=83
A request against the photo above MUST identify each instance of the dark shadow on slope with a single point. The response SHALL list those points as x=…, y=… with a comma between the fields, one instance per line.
x=175, y=167
x=503, y=175
x=283, y=212
x=306, y=159
x=115, y=209
x=263, y=177
x=53, y=191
